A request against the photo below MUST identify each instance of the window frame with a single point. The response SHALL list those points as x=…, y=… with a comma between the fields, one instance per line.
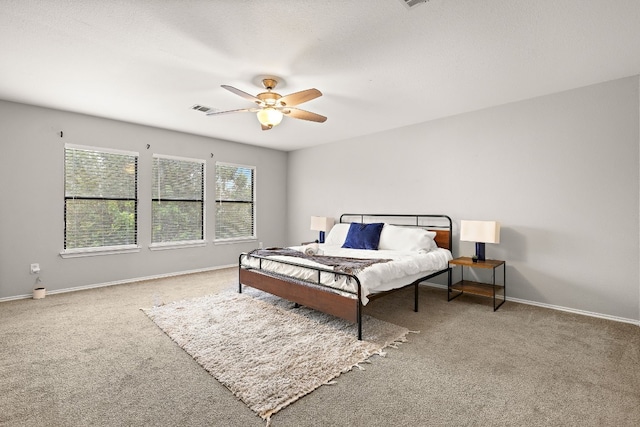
x=100, y=250
x=253, y=237
x=181, y=243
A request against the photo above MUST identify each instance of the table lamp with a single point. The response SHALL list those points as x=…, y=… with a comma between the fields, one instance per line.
x=480, y=232
x=321, y=224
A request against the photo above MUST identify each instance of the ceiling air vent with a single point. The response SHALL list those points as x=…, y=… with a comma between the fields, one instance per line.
x=200, y=108
x=412, y=3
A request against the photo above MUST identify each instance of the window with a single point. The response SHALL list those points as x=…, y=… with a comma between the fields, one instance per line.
x=100, y=200
x=177, y=200
x=235, y=202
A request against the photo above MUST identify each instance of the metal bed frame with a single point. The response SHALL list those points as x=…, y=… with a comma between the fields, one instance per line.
x=326, y=299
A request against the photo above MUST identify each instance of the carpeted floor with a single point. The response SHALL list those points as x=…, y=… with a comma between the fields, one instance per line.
x=93, y=358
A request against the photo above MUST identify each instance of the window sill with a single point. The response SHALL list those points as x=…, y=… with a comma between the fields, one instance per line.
x=177, y=245
x=107, y=250
x=232, y=241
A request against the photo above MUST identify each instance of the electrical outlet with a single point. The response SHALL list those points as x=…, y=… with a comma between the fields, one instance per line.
x=35, y=268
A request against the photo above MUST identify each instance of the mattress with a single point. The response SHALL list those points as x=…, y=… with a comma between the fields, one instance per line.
x=404, y=268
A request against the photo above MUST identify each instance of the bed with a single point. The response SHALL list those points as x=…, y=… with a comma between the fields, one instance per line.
x=340, y=276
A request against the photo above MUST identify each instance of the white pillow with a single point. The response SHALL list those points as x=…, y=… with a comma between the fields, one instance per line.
x=398, y=238
x=338, y=234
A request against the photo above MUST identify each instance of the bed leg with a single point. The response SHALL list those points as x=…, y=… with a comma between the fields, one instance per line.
x=239, y=271
x=359, y=321
x=416, y=292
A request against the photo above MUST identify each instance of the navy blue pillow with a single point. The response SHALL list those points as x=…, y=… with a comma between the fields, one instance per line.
x=363, y=236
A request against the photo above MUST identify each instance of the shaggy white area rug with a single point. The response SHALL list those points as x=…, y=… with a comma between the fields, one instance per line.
x=268, y=353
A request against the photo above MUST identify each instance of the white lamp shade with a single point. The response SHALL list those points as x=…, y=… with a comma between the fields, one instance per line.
x=480, y=231
x=321, y=223
x=269, y=116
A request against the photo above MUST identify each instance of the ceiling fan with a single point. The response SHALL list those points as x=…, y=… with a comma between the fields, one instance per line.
x=271, y=106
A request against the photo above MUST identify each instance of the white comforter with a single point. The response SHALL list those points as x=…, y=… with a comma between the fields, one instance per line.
x=405, y=268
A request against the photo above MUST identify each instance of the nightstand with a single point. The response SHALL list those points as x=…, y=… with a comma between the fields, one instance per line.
x=479, y=288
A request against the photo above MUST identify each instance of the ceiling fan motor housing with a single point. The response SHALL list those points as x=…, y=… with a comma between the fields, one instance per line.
x=269, y=98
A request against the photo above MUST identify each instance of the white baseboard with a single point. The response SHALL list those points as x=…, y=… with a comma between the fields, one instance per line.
x=557, y=307
x=433, y=285
x=119, y=282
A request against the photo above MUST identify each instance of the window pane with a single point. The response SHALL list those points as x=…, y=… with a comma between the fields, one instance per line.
x=234, y=220
x=235, y=205
x=177, y=179
x=97, y=174
x=175, y=221
x=234, y=183
x=177, y=200
x=100, y=198
x=96, y=223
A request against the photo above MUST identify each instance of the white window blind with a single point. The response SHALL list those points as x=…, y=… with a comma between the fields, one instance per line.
x=177, y=200
x=235, y=204
x=100, y=202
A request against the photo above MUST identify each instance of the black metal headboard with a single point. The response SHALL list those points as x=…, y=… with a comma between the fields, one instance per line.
x=441, y=224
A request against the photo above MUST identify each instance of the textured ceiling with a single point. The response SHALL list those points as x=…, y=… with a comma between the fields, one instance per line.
x=379, y=64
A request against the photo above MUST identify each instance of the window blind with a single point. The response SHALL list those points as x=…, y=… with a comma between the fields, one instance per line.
x=235, y=204
x=100, y=208
x=177, y=200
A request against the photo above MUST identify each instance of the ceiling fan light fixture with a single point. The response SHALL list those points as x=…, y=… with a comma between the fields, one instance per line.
x=269, y=117
x=272, y=106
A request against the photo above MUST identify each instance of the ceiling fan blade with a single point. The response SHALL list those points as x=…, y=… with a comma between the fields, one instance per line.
x=243, y=94
x=242, y=110
x=266, y=127
x=297, y=113
x=299, y=97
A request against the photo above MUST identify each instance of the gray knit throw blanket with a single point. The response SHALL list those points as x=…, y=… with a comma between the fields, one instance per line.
x=341, y=264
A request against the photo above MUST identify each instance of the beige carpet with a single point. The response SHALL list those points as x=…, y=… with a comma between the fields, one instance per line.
x=92, y=358
x=265, y=351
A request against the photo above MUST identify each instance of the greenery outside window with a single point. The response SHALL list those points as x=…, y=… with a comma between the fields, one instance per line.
x=177, y=200
x=235, y=202
x=101, y=200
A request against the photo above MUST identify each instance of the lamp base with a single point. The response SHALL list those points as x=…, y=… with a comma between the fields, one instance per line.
x=480, y=251
x=321, y=237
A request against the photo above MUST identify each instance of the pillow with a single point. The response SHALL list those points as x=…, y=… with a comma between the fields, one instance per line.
x=337, y=235
x=363, y=236
x=397, y=238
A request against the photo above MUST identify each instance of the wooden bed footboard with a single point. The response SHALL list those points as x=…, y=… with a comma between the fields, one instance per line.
x=317, y=298
x=327, y=302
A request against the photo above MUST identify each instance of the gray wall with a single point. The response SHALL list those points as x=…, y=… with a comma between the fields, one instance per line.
x=32, y=191
x=560, y=172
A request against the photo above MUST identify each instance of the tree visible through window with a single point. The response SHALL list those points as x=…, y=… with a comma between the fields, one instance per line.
x=235, y=206
x=177, y=199
x=100, y=201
